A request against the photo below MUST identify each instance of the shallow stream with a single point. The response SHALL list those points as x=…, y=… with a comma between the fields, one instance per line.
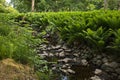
x=81, y=73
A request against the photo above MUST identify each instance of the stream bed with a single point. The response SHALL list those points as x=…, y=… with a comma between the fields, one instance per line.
x=81, y=73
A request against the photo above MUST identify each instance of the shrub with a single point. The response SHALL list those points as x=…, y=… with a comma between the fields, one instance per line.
x=16, y=43
x=91, y=27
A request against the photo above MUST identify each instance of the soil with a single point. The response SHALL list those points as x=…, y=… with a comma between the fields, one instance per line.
x=11, y=70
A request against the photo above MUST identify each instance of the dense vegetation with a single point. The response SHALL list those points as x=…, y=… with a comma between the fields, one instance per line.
x=21, y=33
x=64, y=5
x=97, y=29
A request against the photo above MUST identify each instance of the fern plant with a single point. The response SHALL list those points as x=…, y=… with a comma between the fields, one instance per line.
x=97, y=39
x=116, y=42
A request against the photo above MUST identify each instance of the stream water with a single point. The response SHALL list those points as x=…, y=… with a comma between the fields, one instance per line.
x=81, y=73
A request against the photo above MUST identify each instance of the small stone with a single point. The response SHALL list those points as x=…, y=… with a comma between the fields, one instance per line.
x=64, y=66
x=51, y=55
x=59, y=50
x=43, y=46
x=104, y=76
x=119, y=77
x=98, y=71
x=84, y=62
x=56, y=47
x=106, y=68
x=53, y=68
x=56, y=54
x=114, y=75
x=44, y=52
x=68, y=50
x=64, y=47
x=64, y=71
x=61, y=54
x=113, y=65
x=95, y=78
x=74, y=59
x=70, y=71
x=98, y=62
x=105, y=60
x=76, y=55
x=118, y=71
x=66, y=60
x=49, y=48
x=99, y=57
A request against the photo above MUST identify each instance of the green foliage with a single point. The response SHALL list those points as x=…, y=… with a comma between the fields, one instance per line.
x=116, y=42
x=97, y=39
x=42, y=69
x=2, y=9
x=7, y=9
x=57, y=5
x=16, y=43
x=93, y=28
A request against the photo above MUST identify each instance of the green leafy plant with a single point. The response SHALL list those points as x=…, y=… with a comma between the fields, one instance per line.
x=16, y=43
x=97, y=39
x=116, y=42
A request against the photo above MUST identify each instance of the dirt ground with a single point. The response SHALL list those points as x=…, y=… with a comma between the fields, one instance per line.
x=10, y=70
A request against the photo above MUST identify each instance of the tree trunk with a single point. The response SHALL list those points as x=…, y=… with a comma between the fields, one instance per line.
x=33, y=6
x=105, y=4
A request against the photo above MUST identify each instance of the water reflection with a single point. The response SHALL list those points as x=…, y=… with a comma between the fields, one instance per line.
x=64, y=78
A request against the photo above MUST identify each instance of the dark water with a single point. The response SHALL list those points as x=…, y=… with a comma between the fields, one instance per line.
x=82, y=73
